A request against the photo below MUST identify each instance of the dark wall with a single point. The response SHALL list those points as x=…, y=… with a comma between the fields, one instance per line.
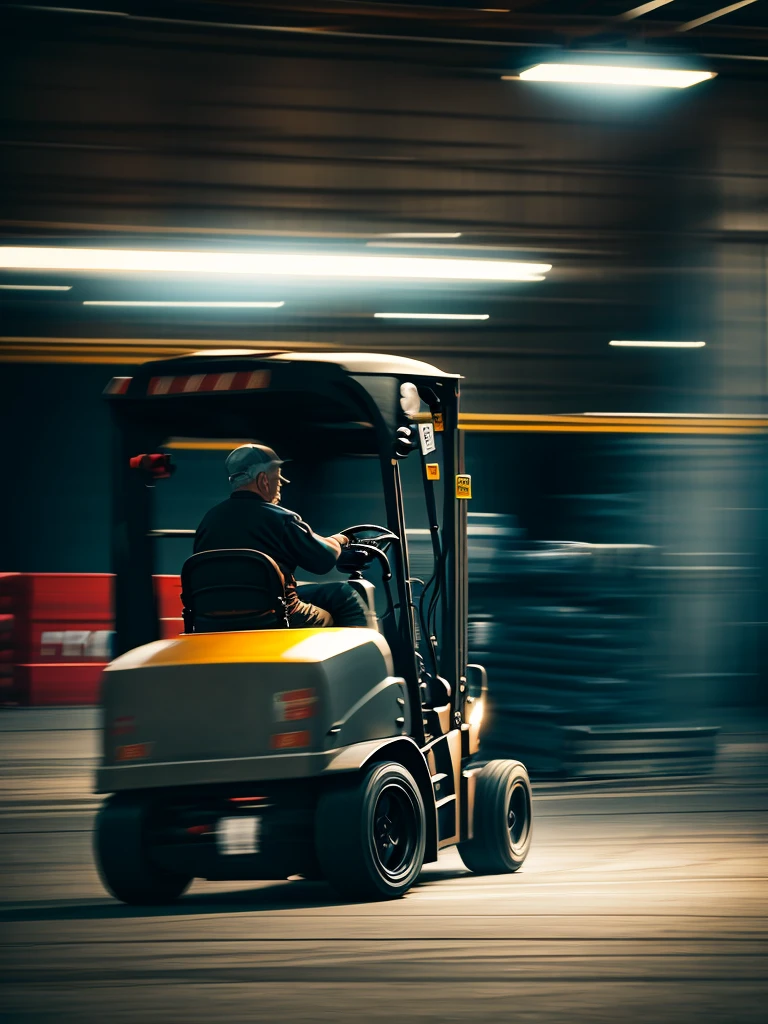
x=56, y=468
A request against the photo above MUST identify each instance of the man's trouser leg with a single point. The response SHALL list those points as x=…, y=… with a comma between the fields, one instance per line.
x=340, y=599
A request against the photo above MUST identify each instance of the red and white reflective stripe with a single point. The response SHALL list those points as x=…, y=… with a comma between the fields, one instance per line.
x=243, y=380
x=194, y=382
x=159, y=385
x=224, y=382
x=117, y=386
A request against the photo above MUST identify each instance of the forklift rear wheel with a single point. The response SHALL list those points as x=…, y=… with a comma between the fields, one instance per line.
x=121, y=844
x=370, y=834
x=502, y=824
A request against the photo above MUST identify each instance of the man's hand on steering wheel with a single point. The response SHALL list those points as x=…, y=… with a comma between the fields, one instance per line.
x=382, y=537
x=361, y=551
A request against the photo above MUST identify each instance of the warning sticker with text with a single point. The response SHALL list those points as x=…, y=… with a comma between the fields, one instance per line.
x=427, y=438
x=463, y=485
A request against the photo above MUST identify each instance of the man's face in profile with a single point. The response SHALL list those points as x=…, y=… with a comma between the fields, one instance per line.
x=275, y=486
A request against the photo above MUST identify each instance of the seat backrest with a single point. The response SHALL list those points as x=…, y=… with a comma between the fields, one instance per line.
x=232, y=589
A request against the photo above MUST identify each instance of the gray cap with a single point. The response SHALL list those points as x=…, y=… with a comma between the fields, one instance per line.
x=246, y=462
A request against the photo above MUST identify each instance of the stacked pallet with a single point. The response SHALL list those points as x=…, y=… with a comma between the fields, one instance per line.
x=565, y=630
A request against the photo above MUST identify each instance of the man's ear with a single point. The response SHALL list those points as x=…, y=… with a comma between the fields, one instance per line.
x=262, y=485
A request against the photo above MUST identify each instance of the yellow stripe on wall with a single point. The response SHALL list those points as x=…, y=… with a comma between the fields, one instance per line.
x=124, y=351
x=135, y=351
x=504, y=423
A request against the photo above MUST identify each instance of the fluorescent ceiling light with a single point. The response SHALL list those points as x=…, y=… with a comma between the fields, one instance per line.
x=217, y=305
x=268, y=264
x=420, y=234
x=37, y=287
x=604, y=74
x=658, y=344
x=431, y=316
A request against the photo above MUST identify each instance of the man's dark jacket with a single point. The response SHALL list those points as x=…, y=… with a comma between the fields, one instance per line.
x=245, y=520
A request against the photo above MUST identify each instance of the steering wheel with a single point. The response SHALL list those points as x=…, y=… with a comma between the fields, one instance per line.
x=382, y=539
x=361, y=551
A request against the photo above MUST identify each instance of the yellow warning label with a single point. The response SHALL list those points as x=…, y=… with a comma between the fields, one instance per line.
x=464, y=486
x=437, y=422
x=433, y=471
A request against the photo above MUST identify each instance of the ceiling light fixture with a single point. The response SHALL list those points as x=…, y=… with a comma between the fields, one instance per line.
x=216, y=305
x=431, y=316
x=658, y=344
x=37, y=287
x=269, y=264
x=605, y=74
x=420, y=234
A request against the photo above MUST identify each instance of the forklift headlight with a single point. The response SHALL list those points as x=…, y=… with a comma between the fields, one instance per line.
x=476, y=715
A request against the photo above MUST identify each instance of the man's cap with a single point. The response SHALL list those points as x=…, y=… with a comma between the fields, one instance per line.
x=246, y=462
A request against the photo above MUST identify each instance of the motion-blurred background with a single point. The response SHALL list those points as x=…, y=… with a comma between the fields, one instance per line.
x=619, y=546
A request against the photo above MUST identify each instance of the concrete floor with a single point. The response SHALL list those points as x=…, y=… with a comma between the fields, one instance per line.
x=642, y=904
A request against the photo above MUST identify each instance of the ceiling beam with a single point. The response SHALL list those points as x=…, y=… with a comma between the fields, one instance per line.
x=638, y=12
x=688, y=25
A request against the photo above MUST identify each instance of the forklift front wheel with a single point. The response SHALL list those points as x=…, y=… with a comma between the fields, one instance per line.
x=121, y=845
x=370, y=834
x=502, y=821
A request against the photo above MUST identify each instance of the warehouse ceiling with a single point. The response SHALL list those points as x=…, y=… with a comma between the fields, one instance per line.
x=722, y=32
x=344, y=126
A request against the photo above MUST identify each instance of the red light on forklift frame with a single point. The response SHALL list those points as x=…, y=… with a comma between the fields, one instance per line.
x=246, y=799
x=158, y=466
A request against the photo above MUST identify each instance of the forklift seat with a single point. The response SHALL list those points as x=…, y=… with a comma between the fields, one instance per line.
x=232, y=589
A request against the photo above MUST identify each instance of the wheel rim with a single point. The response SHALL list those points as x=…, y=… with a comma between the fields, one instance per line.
x=395, y=832
x=518, y=815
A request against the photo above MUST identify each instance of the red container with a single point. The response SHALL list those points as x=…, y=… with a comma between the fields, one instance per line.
x=69, y=641
x=56, y=634
x=54, y=603
x=49, y=685
x=46, y=595
x=8, y=586
x=168, y=593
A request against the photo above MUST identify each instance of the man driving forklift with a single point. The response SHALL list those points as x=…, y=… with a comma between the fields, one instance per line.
x=252, y=517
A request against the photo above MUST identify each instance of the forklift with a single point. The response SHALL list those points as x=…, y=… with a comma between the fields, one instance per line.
x=253, y=750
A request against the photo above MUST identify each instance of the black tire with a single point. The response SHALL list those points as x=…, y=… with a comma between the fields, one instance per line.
x=503, y=820
x=370, y=833
x=122, y=854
